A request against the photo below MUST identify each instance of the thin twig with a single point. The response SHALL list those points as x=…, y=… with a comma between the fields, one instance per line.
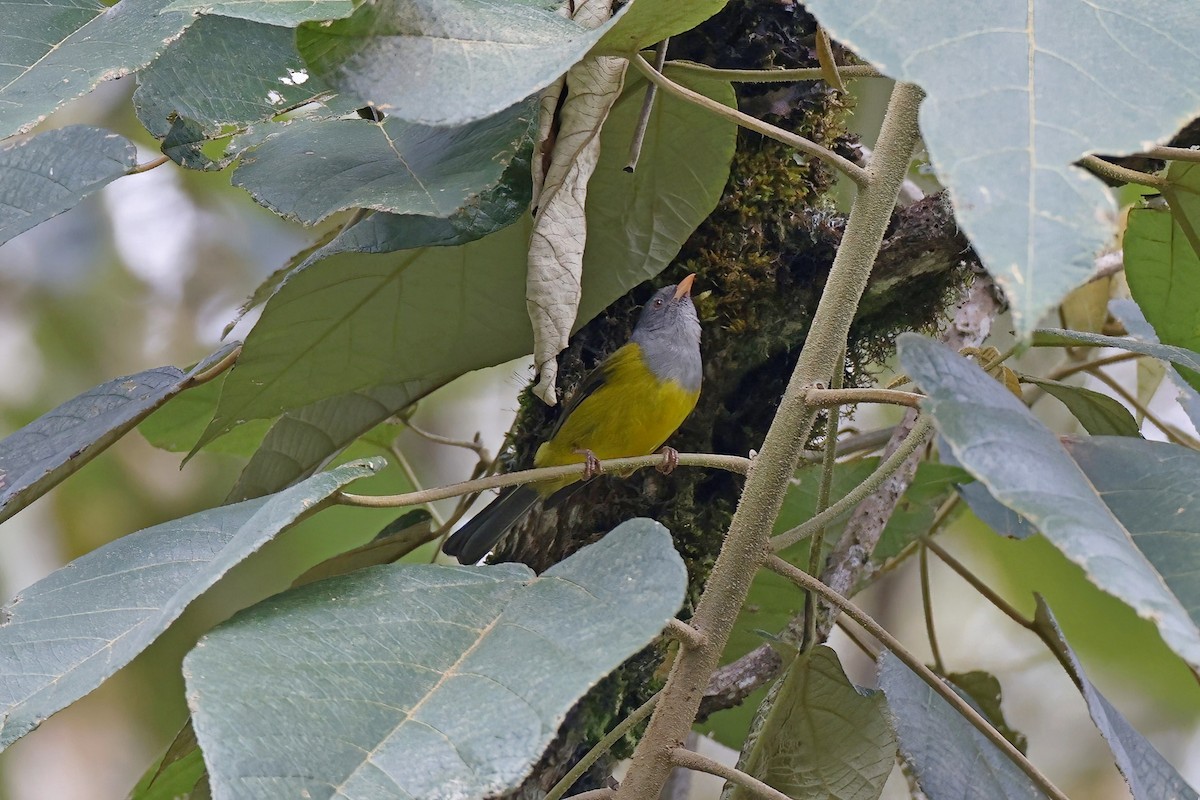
x=709, y=460
x=818, y=540
x=856, y=173
x=1096, y=363
x=411, y=474
x=601, y=747
x=475, y=445
x=639, y=133
x=855, y=443
x=774, y=75
x=149, y=165
x=595, y=794
x=927, y=603
x=823, y=398
x=1105, y=169
x=886, y=467
x=689, y=759
x=853, y=635
x=978, y=585
x=805, y=581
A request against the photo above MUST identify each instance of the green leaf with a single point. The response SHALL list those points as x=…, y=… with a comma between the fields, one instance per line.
x=822, y=736
x=999, y=518
x=1014, y=90
x=637, y=223
x=949, y=757
x=1162, y=262
x=402, y=536
x=435, y=63
x=1025, y=466
x=63, y=636
x=301, y=440
x=224, y=72
x=177, y=774
x=40, y=455
x=55, y=51
x=45, y=175
x=1099, y=414
x=1056, y=337
x=309, y=169
x=1149, y=775
x=287, y=13
x=420, y=680
x=177, y=425
x=650, y=21
x=1150, y=488
x=1130, y=315
x=333, y=327
x=982, y=691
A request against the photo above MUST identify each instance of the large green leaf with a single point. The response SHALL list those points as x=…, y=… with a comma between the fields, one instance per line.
x=1014, y=92
x=429, y=315
x=822, y=737
x=63, y=636
x=1162, y=263
x=1025, y=466
x=1099, y=414
x=309, y=169
x=419, y=680
x=224, y=72
x=40, y=455
x=650, y=21
x=286, y=13
x=1149, y=775
x=177, y=425
x=951, y=759
x=57, y=50
x=440, y=63
x=45, y=175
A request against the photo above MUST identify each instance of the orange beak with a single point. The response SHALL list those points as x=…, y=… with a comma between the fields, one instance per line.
x=685, y=287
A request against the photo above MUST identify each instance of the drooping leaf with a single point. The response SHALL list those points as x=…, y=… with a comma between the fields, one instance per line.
x=286, y=13
x=822, y=736
x=309, y=169
x=40, y=455
x=1014, y=90
x=1025, y=466
x=57, y=50
x=650, y=21
x=178, y=774
x=952, y=760
x=1162, y=263
x=445, y=64
x=421, y=680
x=1149, y=775
x=403, y=535
x=1099, y=414
x=1135, y=322
x=224, y=72
x=177, y=424
x=327, y=319
x=66, y=634
x=45, y=175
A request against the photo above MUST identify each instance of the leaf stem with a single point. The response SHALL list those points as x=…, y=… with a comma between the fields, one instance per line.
x=818, y=540
x=1174, y=153
x=639, y=133
x=216, y=369
x=774, y=75
x=474, y=445
x=601, y=747
x=978, y=585
x=684, y=633
x=689, y=759
x=927, y=604
x=915, y=439
x=856, y=173
x=823, y=398
x=149, y=165
x=731, y=463
x=806, y=581
x=1096, y=363
x=1105, y=169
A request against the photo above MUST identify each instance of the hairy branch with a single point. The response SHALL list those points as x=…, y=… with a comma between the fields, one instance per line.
x=694, y=761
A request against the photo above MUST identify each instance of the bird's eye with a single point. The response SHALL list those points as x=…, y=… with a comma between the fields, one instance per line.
x=658, y=303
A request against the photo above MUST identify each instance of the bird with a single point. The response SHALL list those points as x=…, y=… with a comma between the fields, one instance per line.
x=629, y=405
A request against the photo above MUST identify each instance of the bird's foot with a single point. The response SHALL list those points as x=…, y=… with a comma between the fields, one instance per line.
x=670, y=462
x=591, y=464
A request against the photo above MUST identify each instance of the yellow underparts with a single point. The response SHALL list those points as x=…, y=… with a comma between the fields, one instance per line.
x=632, y=414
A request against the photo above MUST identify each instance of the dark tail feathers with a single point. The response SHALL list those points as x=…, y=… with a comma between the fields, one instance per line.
x=472, y=541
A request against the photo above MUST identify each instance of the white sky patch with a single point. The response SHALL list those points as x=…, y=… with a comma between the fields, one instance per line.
x=274, y=97
x=295, y=77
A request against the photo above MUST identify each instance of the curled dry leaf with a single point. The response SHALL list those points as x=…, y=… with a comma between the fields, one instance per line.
x=573, y=112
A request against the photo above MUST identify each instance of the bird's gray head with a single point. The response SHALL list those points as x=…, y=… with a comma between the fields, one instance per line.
x=668, y=332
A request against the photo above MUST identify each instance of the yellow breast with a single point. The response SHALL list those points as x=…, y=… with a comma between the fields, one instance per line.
x=632, y=414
